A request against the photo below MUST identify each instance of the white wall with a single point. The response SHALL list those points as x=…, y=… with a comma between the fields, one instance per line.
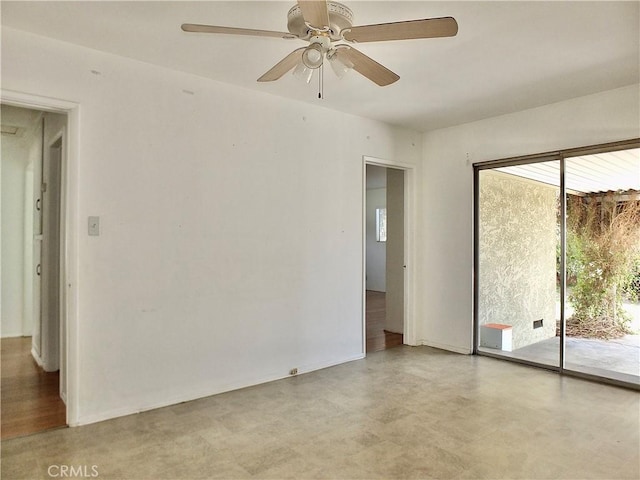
x=15, y=155
x=220, y=242
x=446, y=188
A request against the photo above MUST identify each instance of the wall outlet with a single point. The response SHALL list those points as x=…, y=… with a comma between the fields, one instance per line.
x=293, y=371
x=537, y=323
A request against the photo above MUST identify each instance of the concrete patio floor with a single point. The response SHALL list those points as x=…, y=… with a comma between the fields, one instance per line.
x=617, y=358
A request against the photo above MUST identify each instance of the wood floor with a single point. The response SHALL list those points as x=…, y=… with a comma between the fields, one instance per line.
x=377, y=337
x=30, y=396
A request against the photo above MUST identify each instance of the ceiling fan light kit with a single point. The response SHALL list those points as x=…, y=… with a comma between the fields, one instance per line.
x=321, y=23
x=303, y=73
x=340, y=66
x=313, y=55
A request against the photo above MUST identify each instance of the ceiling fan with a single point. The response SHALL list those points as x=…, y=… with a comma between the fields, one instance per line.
x=325, y=23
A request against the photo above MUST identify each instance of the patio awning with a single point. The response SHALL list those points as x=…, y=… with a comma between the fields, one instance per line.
x=602, y=172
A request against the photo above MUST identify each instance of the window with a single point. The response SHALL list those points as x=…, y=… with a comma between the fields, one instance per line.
x=381, y=224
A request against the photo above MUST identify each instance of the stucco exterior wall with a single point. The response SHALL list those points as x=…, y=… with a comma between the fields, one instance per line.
x=517, y=245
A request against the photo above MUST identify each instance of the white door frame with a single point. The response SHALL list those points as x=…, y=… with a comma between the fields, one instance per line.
x=409, y=245
x=68, y=237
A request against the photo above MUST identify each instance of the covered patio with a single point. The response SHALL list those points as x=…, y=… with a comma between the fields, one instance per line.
x=618, y=359
x=519, y=262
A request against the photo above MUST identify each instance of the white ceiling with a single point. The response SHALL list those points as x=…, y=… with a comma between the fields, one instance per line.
x=507, y=56
x=23, y=119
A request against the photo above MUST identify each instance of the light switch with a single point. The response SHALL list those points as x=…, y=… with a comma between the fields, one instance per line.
x=94, y=226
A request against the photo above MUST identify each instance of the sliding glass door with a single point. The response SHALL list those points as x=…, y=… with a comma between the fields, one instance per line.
x=557, y=261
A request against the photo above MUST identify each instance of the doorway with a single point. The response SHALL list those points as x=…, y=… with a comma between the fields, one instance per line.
x=384, y=257
x=33, y=320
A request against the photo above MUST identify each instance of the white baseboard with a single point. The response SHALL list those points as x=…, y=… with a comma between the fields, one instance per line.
x=444, y=346
x=36, y=357
x=202, y=393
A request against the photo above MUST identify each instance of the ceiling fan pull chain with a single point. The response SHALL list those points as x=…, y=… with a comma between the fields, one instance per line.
x=320, y=82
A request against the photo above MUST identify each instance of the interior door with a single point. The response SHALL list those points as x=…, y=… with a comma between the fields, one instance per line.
x=395, y=265
x=37, y=250
x=50, y=282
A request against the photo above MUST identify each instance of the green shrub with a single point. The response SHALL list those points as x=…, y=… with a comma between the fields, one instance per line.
x=603, y=254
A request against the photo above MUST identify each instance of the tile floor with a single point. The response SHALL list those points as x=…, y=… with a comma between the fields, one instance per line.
x=408, y=412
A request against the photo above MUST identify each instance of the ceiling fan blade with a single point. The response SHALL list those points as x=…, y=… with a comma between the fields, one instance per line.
x=283, y=66
x=367, y=66
x=315, y=13
x=190, y=27
x=426, y=28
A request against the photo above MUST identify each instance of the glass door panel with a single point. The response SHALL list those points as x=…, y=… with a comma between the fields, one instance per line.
x=518, y=262
x=603, y=265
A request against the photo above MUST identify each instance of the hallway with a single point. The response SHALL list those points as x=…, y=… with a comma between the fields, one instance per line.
x=30, y=396
x=377, y=337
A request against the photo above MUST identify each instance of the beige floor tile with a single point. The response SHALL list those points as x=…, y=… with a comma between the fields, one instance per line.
x=403, y=413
